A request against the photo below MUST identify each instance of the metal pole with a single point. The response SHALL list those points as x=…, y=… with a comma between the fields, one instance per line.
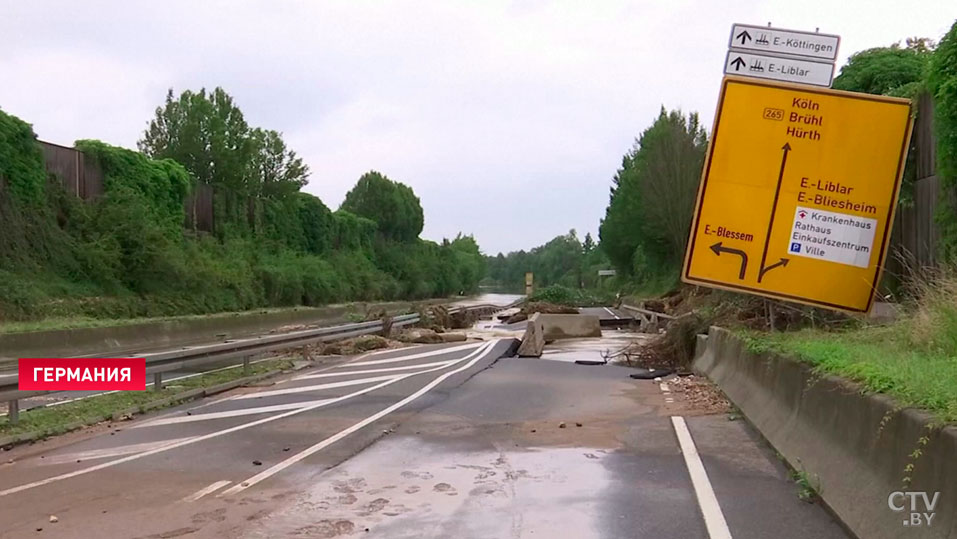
x=13, y=411
x=157, y=381
x=246, y=366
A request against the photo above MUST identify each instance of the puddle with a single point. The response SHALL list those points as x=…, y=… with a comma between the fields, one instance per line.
x=596, y=349
x=537, y=492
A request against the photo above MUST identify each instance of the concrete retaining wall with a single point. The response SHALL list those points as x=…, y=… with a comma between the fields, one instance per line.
x=856, y=448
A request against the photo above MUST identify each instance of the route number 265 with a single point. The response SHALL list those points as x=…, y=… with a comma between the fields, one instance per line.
x=773, y=114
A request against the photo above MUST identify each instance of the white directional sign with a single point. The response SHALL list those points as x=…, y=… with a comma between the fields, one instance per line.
x=790, y=42
x=763, y=66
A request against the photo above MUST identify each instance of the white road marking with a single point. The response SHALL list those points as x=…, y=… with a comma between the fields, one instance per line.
x=109, y=451
x=229, y=413
x=483, y=351
x=204, y=491
x=230, y=430
x=611, y=312
x=664, y=387
x=317, y=387
x=713, y=517
x=165, y=382
x=438, y=352
x=373, y=371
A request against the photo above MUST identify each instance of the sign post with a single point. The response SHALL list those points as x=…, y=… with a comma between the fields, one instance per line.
x=798, y=193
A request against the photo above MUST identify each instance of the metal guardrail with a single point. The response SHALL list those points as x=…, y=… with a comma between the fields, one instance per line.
x=159, y=363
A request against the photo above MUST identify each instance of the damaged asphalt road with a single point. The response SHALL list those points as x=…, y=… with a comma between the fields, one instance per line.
x=437, y=441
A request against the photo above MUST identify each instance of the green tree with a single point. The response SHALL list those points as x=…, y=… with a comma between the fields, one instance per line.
x=392, y=205
x=893, y=70
x=276, y=171
x=588, y=244
x=207, y=134
x=942, y=85
x=652, y=195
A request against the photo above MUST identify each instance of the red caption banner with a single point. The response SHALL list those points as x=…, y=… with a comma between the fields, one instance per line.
x=82, y=374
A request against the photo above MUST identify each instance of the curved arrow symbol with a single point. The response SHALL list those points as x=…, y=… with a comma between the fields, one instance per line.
x=718, y=249
x=780, y=264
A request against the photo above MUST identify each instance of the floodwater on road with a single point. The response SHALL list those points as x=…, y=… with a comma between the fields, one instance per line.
x=403, y=487
x=489, y=298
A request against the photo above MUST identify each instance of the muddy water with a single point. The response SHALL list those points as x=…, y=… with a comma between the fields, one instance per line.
x=537, y=492
x=490, y=299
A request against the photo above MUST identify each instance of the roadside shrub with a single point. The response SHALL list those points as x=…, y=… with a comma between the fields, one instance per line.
x=562, y=295
x=933, y=325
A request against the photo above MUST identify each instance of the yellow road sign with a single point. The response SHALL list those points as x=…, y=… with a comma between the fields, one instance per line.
x=798, y=193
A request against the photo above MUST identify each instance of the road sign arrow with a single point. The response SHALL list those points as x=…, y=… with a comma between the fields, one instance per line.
x=780, y=264
x=738, y=63
x=744, y=36
x=718, y=249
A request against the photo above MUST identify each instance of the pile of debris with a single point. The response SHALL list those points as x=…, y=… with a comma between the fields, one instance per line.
x=428, y=336
x=443, y=317
x=539, y=307
x=700, y=393
x=356, y=345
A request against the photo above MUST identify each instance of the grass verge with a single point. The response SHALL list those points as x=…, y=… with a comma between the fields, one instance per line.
x=83, y=322
x=58, y=419
x=882, y=359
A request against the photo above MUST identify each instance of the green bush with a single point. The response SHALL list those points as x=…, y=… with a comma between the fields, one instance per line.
x=942, y=84
x=126, y=254
x=573, y=297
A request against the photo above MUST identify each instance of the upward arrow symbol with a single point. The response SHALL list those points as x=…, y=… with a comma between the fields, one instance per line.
x=738, y=63
x=774, y=206
x=743, y=36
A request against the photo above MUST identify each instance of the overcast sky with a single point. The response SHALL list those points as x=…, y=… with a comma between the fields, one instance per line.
x=508, y=119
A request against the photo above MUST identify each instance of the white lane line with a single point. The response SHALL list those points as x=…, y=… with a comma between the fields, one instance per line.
x=438, y=352
x=713, y=517
x=204, y=491
x=664, y=387
x=265, y=474
x=373, y=371
x=317, y=387
x=229, y=413
x=611, y=312
x=47, y=481
x=165, y=381
x=108, y=452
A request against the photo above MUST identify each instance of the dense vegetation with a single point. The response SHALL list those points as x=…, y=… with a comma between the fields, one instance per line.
x=894, y=70
x=126, y=253
x=907, y=71
x=564, y=260
x=942, y=85
x=652, y=199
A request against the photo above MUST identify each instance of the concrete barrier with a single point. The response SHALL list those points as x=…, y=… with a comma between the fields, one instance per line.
x=533, y=342
x=569, y=326
x=857, y=449
x=551, y=327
